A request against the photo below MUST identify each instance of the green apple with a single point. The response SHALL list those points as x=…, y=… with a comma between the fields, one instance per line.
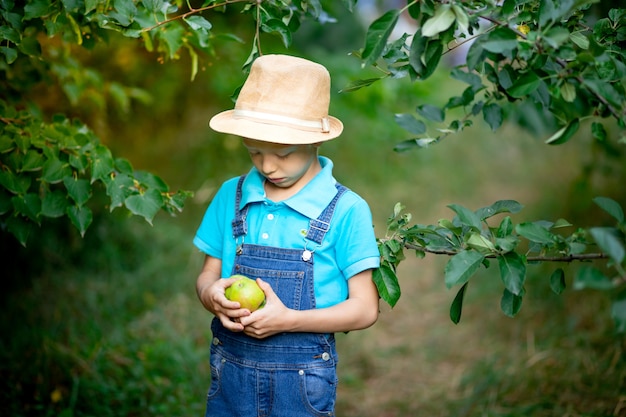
x=247, y=292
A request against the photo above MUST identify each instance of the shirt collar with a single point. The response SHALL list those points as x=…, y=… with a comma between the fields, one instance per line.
x=309, y=201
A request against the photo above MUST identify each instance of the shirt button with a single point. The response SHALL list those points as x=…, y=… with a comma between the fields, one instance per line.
x=270, y=216
x=265, y=236
x=325, y=356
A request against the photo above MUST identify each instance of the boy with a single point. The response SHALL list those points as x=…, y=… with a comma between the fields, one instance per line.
x=306, y=239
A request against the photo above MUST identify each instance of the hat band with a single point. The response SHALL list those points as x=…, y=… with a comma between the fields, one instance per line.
x=314, y=125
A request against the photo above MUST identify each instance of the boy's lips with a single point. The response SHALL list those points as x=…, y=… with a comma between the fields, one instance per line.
x=276, y=180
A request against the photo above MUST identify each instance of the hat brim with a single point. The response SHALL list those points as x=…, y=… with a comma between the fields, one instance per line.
x=224, y=122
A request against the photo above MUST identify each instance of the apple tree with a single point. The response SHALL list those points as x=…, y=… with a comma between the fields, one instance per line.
x=564, y=60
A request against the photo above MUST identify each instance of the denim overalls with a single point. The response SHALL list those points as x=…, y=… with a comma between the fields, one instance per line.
x=288, y=374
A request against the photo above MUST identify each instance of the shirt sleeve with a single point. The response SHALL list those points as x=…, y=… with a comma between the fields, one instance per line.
x=210, y=234
x=358, y=250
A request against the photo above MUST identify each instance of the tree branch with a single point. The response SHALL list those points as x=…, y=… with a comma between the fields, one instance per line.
x=564, y=258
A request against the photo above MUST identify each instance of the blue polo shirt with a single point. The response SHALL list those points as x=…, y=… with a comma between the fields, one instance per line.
x=348, y=248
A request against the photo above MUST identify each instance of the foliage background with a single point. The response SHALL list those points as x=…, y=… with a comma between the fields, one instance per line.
x=109, y=325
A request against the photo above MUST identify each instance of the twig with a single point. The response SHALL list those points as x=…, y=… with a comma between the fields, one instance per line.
x=565, y=258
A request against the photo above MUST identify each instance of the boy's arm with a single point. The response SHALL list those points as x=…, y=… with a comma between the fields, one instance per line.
x=359, y=311
x=210, y=288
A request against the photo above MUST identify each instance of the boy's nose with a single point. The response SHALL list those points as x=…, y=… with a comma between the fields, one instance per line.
x=268, y=165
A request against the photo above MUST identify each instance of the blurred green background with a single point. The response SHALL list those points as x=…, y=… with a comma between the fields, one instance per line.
x=109, y=325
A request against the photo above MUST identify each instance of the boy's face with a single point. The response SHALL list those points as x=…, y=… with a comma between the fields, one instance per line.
x=284, y=166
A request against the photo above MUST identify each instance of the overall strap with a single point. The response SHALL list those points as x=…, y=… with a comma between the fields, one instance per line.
x=240, y=227
x=318, y=227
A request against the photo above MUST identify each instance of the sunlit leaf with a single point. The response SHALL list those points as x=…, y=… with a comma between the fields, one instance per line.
x=565, y=133
x=442, y=20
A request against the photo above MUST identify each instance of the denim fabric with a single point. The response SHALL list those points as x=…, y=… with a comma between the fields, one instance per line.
x=285, y=375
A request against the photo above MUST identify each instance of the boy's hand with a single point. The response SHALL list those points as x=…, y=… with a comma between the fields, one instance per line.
x=270, y=319
x=228, y=312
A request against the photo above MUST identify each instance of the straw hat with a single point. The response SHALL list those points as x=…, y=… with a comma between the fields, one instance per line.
x=284, y=100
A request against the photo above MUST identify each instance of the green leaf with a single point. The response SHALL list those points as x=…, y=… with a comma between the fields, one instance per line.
x=431, y=112
x=276, y=25
x=510, y=304
x=480, y=243
x=461, y=267
x=579, y=40
x=118, y=189
x=565, y=133
x=557, y=281
x=492, y=114
x=568, y=92
x=387, y=284
x=377, y=35
x=358, y=84
x=500, y=206
x=173, y=38
x=556, y=37
x=20, y=228
x=196, y=22
x=410, y=123
x=535, y=233
x=456, y=309
x=146, y=205
x=101, y=163
x=513, y=272
x=505, y=228
x=607, y=240
x=610, y=206
x=592, y=278
x=605, y=90
x=54, y=204
x=78, y=189
x=28, y=205
x=36, y=8
x=17, y=184
x=32, y=161
x=442, y=20
x=151, y=181
x=466, y=216
x=81, y=217
x=54, y=170
x=598, y=131
x=525, y=85
x=499, y=41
